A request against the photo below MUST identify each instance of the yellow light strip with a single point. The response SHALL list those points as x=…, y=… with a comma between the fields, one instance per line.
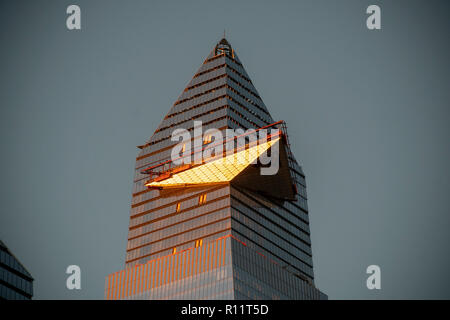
x=216, y=171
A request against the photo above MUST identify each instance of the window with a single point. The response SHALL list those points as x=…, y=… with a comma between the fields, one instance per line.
x=174, y=250
x=207, y=139
x=178, y=207
x=202, y=199
x=183, y=149
x=198, y=243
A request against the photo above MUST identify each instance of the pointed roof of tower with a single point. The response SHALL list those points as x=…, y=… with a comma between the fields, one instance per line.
x=221, y=95
x=220, y=81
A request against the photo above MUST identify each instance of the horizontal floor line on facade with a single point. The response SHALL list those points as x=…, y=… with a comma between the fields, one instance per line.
x=278, y=225
x=177, y=223
x=224, y=75
x=225, y=106
x=275, y=244
x=212, y=100
x=291, y=202
x=15, y=289
x=203, y=190
x=277, y=257
x=220, y=66
x=177, y=234
x=220, y=55
x=162, y=150
x=180, y=244
x=204, y=124
x=209, y=203
x=220, y=87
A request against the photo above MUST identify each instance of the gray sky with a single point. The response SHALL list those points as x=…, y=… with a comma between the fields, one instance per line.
x=367, y=113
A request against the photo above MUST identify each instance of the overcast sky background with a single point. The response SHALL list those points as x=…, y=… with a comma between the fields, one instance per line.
x=367, y=113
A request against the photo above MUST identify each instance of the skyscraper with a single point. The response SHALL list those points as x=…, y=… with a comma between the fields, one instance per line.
x=215, y=229
x=16, y=283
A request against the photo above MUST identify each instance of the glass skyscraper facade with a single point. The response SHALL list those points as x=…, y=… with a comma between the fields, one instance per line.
x=16, y=282
x=217, y=229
